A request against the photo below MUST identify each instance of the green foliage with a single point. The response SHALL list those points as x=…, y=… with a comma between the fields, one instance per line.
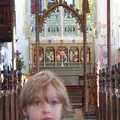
x=19, y=62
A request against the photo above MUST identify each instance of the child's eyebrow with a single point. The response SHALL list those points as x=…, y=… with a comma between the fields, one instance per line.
x=36, y=98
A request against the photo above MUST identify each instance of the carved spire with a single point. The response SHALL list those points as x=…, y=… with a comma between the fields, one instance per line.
x=85, y=6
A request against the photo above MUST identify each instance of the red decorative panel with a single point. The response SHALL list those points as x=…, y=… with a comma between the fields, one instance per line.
x=74, y=87
x=6, y=20
x=6, y=12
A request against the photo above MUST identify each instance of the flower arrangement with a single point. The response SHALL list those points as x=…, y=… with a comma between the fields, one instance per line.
x=19, y=61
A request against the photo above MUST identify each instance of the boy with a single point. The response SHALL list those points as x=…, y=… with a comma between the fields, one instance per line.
x=44, y=97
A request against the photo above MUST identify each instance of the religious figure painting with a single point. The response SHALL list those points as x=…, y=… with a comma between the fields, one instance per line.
x=49, y=55
x=74, y=54
x=62, y=54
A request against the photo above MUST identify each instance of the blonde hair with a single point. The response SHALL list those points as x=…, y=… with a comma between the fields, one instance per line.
x=38, y=83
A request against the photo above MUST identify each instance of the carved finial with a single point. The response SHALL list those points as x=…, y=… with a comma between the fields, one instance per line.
x=85, y=6
x=60, y=1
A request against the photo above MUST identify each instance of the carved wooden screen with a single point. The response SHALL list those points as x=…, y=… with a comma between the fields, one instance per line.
x=92, y=93
x=88, y=54
x=40, y=54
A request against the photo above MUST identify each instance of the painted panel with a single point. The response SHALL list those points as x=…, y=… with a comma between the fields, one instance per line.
x=65, y=55
x=74, y=54
x=62, y=54
x=88, y=52
x=49, y=55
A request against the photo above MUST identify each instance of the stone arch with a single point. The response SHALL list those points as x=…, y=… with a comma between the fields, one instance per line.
x=46, y=12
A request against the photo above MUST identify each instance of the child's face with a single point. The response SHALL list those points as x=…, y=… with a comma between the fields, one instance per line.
x=41, y=109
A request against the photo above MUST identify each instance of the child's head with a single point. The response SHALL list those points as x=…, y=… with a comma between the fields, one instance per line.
x=44, y=87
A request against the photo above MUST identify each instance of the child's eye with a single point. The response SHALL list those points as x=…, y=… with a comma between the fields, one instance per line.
x=54, y=102
x=38, y=102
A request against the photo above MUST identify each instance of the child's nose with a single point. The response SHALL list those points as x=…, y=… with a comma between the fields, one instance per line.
x=46, y=107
